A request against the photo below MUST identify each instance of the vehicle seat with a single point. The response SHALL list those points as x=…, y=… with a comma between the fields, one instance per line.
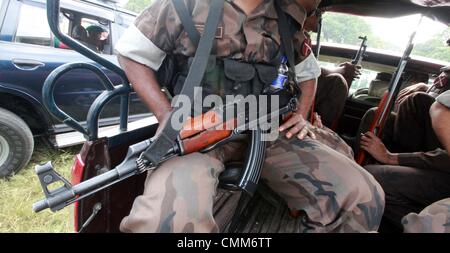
x=374, y=93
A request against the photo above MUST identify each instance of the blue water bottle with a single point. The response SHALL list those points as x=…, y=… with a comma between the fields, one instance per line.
x=282, y=77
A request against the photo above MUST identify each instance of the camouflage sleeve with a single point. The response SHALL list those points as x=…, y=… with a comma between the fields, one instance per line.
x=435, y=218
x=152, y=35
x=435, y=160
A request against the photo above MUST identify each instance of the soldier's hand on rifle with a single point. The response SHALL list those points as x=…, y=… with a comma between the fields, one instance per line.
x=350, y=71
x=297, y=126
x=403, y=94
x=375, y=147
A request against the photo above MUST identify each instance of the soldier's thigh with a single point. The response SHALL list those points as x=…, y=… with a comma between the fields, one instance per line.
x=178, y=197
x=325, y=184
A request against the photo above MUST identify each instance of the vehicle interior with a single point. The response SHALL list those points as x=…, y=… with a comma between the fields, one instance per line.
x=234, y=210
x=367, y=91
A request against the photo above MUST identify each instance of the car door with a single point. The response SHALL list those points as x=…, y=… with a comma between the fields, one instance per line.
x=35, y=52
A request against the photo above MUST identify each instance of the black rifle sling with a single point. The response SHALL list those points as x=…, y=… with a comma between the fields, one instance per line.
x=186, y=20
x=286, y=36
x=166, y=140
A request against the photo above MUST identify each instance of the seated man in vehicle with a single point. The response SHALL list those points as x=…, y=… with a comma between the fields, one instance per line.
x=411, y=112
x=332, y=85
x=418, y=174
x=332, y=192
x=436, y=217
x=97, y=36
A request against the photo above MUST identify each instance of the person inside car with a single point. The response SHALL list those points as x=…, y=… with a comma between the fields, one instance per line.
x=97, y=37
x=330, y=190
x=332, y=85
x=418, y=174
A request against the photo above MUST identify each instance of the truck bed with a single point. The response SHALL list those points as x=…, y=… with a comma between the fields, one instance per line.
x=265, y=212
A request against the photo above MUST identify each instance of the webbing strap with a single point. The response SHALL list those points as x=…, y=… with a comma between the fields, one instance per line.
x=286, y=36
x=186, y=20
x=166, y=140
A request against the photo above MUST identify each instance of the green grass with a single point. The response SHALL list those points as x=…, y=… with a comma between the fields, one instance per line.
x=18, y=193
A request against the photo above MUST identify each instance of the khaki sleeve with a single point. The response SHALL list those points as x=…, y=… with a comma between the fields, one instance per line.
x=434, y=160
x=152, y=36
x=444, y=99
x=308, y=69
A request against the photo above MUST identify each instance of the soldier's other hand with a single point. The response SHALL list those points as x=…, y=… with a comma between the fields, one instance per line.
x=375, y=147
x=403, y=94
x=296, y=125
x=350, y=71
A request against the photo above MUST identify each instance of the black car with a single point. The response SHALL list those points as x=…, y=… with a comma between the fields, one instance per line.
x=29, y=52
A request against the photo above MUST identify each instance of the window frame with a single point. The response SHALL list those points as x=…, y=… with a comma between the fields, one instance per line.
x=3, y=7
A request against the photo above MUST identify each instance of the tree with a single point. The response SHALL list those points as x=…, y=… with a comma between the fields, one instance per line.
x=436, y=47
x=346, y=29
x=137, y=5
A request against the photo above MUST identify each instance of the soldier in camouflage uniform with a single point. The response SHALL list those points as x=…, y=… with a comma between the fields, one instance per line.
x=334, y=192
x=435, y=218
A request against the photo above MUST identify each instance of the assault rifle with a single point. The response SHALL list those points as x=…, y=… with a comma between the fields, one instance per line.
x=359, y=57
x=199, y=134
x=386, y=104
x=149, y=154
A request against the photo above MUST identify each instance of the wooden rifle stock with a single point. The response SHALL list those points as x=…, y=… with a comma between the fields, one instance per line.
x=200, y=123
x=206, y=137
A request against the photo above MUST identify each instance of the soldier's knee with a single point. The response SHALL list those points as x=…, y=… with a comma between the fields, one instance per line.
x=186, y=173
x=339, y=83
x=419, y=99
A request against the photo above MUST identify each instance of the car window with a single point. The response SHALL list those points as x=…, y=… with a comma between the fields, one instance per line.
x=391, y=34
x=33, y=27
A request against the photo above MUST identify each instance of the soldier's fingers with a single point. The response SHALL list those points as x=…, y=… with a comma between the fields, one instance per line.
x=365, y=138
x=370, y=135
x=365, y=144
x=365, y=148
x=293, y=131
x=312, y=134
x=302, y=133
x=286, y=125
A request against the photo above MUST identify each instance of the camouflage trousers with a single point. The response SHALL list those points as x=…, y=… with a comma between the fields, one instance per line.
x=335, y=193
x=435, y=218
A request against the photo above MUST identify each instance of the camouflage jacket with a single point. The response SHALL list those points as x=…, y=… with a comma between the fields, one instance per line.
x=255, y=38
